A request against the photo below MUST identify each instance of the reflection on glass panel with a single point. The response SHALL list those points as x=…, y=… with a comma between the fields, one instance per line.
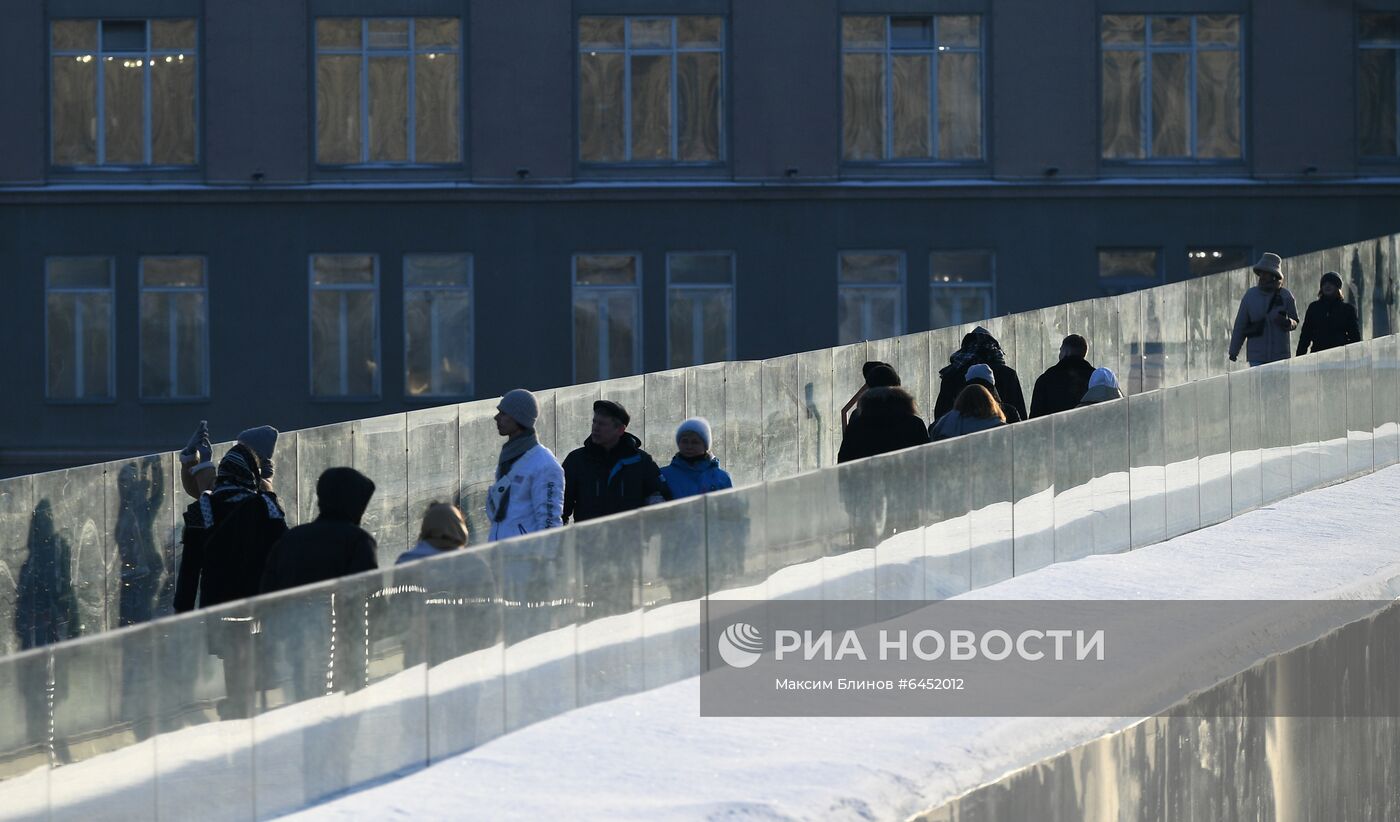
x=863, y=32
x=1170, y=123
x=698, y=105
x=174, y=320
x=1122, y=105
x=868, y=313
x=586, y=347
x=961, y=287
x=1201, y=262
x=701, y=269
x=600, y=32
x=912, y=99
x=436, y=31
x=699, y=324
x=1218, y=104
x=342, y=269
x=907, y=32
x=79, y=272
x=344, y=326
x=387, y=34
x=438, y=325
x=172, y=112
x=651, y=107
x=388, y=109
x=123, y=104
x=361, y=364
x=1376, y=97
x=437, y=269
x=863, y=109
x=959, y=106
x=1171, y=30
x=74, y=110
x=1124, y=28
x=651, y=33
x=601, y=110
x=127, y=36
x=1218, y=29
x=172, y=272
x=338, y=109
x=1128, y=269
x=699, y=32
x=960, y=30
x=338, y=32
x=863, y=267
x=74, y=34
x=173, y=34
x=437, y=108
x=605, y=269
x=1381, y=28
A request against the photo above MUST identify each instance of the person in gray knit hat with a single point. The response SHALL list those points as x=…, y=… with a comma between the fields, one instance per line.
x=528, y=494
x=197, y=458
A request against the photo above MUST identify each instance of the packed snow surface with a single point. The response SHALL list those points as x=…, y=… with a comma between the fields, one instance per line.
x=651, y=756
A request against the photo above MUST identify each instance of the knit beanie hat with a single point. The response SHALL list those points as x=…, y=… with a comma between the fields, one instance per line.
x=1334, y=278
x=882, y=376
x=521, y=406
x=443, y=526
x=263, y=441
x=699, y=426
x=983, y=372
x=1103, y=376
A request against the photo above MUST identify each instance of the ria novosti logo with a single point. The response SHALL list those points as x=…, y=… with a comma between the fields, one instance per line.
x=740, y=645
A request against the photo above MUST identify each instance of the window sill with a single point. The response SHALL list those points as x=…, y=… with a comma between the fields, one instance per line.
x=1174, y=168
x=437, y=399
x=653, y=171
x=346, y=400
x=174, y=400
x=393, y=172
x=912, y=169
x=95, y=401
x=125, y=175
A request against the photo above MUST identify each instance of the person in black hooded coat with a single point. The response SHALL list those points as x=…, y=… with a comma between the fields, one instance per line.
x=1063, y=384
x=888, y=421
x=333, y=545
x=978, y=346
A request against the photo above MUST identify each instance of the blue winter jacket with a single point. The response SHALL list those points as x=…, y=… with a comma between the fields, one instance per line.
x=689, y=479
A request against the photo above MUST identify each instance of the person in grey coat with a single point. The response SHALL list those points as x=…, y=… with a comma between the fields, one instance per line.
x=974, y=410
x=1267, y=317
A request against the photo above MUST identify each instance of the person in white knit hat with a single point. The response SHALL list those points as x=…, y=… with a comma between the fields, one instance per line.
x=528, y=494
x=694, y=470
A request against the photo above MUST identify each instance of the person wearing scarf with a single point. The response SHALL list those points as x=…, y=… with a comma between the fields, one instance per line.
x=528, y=494
x=978, y=347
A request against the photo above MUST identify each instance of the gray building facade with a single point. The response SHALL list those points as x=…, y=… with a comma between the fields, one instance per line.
x=303, y=211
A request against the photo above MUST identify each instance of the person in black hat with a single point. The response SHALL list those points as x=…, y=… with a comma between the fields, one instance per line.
x=877, y=375
x=1330, y=321
x=610, y=473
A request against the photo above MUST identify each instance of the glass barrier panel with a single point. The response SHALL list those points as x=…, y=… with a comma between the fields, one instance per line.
x=573, y=418
x=947, y=535
x=478, y=452
x=1246, y=422
x=1112, y=504
x=1147, y=477
x=1073, y=465
x=1303, y=409
x=1108, y=347
x=705, y=397
x=545, y=423
x=673, y=585
x=782, y=408
x=1182, y=453
x=1360, y=420
x=23, y=588
x=26, y=693
x=609, y=555
x=1213, y=437
x=68, y=534
x=1175, y=331
x=1333, y=382
x=899, y=555
x=665, y=400
x=1033, y=486
x=737, y=563
x=1385, y=399
x=540, y=591
x=329, y=446
x=1275, y=431
x=1202, y=353
x=1133, y=343
x=433, y=463
x=819, y=420
x=990, y=534
x=943, y=344
x=381, y=453
x=630, y=393
x=743, y=409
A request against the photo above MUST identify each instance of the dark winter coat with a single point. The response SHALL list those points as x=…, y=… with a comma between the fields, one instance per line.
x=1329, y=324
x=331, y=546
x=1061, y=387
x=886, y=423
x=227, y=539
x=599, y=482
x=1008, y=386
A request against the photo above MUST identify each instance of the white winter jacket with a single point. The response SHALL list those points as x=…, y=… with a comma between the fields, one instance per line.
x=529, y=498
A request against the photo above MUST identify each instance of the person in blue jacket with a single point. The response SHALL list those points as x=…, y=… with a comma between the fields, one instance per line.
x=693, y=470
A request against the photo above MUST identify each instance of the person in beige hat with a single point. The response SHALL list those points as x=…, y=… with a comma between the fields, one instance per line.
x=1267, y=316
x=444, y=529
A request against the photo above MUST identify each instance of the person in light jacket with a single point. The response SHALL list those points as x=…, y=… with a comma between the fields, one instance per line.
x=1267, y=316
x=1103, y=387
x=1331, y=320
x=693, y=470
x=975, y=410
x=528, y=495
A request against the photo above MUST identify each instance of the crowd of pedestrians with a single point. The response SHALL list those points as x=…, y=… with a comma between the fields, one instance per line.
x=236, y=542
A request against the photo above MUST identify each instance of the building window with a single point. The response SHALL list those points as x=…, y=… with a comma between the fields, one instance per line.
x=79, y=328
x=912, y=88
x=651, y=89
x=870, y=295
x=438, y=324
x=1204, y=261
x=345, y=325
x=174, y=328
x=700, y=302
x=1171, y=87
x=1128, y=269
x=1380, y=43
x=123, y=92
x=607, y=316
x=388, y=91
x=961, y=287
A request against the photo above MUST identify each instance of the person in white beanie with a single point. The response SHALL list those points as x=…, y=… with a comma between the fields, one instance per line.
x=528, y=494
x=1103, y=387
x=694, y=470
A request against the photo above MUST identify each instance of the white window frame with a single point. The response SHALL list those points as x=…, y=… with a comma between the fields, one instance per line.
x=364, y=52
x=902, y=312
x=628, y=51
x=171, y=350
x=697, y=340
x=470, y=291
x=603, y=347
x=1148, y=49
x=102, y=57
x=344, y=365
x=990, y=285
x=79, y=368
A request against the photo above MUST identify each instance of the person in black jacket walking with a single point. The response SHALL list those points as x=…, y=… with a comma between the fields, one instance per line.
x=1330, y=321
x=1063, y=384
x=979, y=346
x=610, y=473
x=331, y=546
x=887, y=421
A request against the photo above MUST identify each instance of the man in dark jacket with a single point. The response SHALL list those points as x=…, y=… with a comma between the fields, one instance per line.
x=1063, y=384
x=888, y=421
x=1330, y=321
x=333, y=545
x=978, y=346
x=610, y=473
